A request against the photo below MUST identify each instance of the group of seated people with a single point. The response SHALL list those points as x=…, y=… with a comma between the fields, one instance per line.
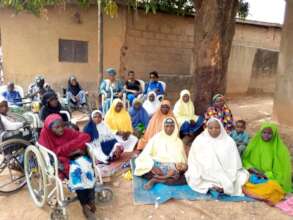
x=219, y=157
x=113, y=88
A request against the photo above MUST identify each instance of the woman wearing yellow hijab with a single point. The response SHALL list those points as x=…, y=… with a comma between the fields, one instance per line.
x=184, y=112
x=119, y=122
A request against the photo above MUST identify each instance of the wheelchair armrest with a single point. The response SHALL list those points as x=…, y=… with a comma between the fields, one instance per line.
x=46, y=154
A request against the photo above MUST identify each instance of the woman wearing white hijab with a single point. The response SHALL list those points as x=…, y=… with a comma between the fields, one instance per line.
x=151, y=104
x=164, y=147
x=104, y=144
x=184, y=111
x=214, y=162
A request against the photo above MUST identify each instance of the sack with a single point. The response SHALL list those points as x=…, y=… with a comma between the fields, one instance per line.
x=81, y=174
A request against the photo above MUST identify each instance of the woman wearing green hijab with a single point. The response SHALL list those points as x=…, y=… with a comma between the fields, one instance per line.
x=267, y=154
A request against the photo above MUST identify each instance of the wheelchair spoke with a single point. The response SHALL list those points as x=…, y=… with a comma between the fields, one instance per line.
x=11, y=180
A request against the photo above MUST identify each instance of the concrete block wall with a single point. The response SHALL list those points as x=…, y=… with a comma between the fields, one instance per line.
x=158, y=42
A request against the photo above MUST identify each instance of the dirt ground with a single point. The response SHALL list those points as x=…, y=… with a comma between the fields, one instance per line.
x=253, y=109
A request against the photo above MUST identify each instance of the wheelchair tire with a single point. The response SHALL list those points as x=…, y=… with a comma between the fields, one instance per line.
x=11, y=164
x=34, y=166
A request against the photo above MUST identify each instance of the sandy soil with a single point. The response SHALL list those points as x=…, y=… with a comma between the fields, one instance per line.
x=253, y=109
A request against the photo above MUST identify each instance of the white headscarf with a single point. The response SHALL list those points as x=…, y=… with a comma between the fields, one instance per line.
x=151, y=107
x=184, y=111
x=163, y=148
x=215, y=162
x=104, y=131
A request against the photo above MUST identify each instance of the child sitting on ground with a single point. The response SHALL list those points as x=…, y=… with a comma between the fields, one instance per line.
x=240, y=136
x=164, y=171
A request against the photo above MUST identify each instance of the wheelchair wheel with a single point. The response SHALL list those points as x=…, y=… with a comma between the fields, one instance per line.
x=35, y=173
x=12, y=176
x=104, y=195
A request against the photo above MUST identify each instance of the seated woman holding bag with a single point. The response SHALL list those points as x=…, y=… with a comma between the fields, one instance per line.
x=70, y=147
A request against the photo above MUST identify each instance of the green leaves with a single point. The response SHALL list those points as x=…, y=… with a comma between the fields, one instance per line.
x=243, y=9
x=110, y=7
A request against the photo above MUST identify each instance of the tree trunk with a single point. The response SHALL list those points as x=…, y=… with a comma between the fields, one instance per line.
x=214, y=28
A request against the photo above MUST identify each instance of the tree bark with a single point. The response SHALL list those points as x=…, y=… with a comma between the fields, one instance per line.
x=214, y=28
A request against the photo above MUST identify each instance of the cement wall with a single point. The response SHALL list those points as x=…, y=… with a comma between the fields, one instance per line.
x=30, y=45
x=133, y=41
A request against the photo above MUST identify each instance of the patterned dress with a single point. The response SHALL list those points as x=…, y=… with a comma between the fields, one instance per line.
x=224, y=115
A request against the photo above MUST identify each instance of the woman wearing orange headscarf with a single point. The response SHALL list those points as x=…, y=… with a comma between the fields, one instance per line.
x=155, y=124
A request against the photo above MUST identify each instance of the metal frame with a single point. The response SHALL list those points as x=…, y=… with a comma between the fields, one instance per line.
x=50, y=162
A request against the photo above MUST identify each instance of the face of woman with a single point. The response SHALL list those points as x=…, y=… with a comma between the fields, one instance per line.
x=53, y=102
x=73, y=82
x=97, y=118
x=112, y=78
x=118, y=107
x=137, y=105
x=152, y=97
x=3, y=107
x=165, y=109
x=185, y=98
x=214, y=129
x=169, y=128
x=267, y=134
x=58, y=127
x=220, y=102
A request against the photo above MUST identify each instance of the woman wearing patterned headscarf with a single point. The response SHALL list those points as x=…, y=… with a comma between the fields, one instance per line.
x=221, y=111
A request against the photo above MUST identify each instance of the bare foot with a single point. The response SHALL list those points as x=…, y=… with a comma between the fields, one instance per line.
x=149, y=185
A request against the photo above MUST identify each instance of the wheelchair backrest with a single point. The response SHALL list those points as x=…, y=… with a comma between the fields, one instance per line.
x=142, y=84
x=66, y=114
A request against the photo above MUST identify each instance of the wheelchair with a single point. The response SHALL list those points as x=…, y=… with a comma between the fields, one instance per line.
x=12, y=148
x=45, y=186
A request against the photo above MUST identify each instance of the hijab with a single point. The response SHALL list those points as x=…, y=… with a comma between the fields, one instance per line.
x=215, y=161
x=151, y=107
x=118, y=121
x=138, y=115
x=48, y=110
x=272, y=157
x=163, y=148
x=63, y=145
x=73, y=89
x=184, y=111
x=155, y=124
x=91, y=128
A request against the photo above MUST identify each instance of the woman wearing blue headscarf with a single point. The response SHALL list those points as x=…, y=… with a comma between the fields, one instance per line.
x=111, y=88
x=139, y=117
x=104, y=144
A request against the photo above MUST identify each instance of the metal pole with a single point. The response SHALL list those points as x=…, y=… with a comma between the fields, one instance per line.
x=100, y=41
